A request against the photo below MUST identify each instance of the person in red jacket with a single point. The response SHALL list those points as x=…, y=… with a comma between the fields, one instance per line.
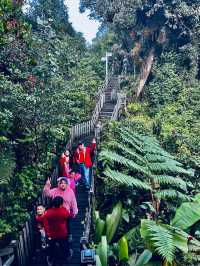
x=56, y=229
x=64, y=163
x=40, y=213
x=82, y=157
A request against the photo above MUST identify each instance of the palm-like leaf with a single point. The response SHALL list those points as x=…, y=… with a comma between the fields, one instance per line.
x=102, y=251
x=112, y=221
x=143, y=258
x=123, y=248
x=186, y=215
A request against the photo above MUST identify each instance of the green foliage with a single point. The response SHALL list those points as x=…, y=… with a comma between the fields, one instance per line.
x=123, y=249
x=143, y=258
x=110, y=225
x=186, y=215
x=144, y=164
x=55, y=12
x=48, y=82
x=99, y=227
x=163, y=239
x=168, y=92
x=112, y=221
x=102, y=251
x=5, y=228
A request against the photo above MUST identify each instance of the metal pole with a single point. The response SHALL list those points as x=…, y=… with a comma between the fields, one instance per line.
x=106, y=68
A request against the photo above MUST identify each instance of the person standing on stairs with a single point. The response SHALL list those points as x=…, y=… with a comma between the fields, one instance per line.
x=64, y=163
x=55, y=225
x=83, y=157
x=63, y=190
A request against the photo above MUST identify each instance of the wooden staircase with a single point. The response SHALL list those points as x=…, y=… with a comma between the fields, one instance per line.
x=77, y=228
x=108, y=107
x=110, y=100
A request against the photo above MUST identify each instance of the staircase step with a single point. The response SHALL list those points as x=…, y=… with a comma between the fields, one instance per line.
x=106, y=113
x=105, y=117
x=107, y=109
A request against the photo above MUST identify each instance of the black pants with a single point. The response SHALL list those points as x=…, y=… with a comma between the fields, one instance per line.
x=58, y=249
x=68, y=223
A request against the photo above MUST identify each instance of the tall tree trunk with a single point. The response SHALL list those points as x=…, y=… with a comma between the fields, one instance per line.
x=145, y=71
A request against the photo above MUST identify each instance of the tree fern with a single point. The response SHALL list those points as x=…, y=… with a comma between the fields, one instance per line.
x=126, y=179
x=144, y=156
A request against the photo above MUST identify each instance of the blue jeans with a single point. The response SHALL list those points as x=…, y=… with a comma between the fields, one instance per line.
x=85, y=174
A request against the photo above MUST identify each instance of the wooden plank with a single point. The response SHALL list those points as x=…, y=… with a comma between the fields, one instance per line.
x=30, y=230
x=28, y=238
x=9, y=261
x=25, y=244
x=22, y=251
x=19, y=252
x=6, y=251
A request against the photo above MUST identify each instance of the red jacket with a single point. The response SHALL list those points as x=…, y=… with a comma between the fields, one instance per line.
x=55, y=222
x=39, y=221
x=84, y=156
x=64, y=165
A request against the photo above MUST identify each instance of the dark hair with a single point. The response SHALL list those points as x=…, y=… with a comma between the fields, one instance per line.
x=57, y=202
x=40, y=205
x=80, y=142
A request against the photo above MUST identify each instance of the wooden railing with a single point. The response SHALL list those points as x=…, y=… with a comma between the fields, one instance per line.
x=88, y=214
x=85, y=128
x=115, y=90
x=21, y=250
x=121, y=101
x=7, y=256
x=118, y=106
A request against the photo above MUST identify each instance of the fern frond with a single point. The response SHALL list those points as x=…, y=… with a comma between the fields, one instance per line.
x=153, y=150
x=129, y=141
x=160, y=158
x=126, y=179
x=163, y=241
x=167, y=167
x=172, y=194
x=139, y=139
x=129, y=151
x=169, y=180
x=114, y=157
x=161, y=238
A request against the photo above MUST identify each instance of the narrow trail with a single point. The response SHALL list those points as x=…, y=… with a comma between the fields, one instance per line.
x=77, y=224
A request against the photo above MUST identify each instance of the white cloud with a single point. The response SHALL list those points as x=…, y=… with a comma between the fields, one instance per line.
x=81, y=22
